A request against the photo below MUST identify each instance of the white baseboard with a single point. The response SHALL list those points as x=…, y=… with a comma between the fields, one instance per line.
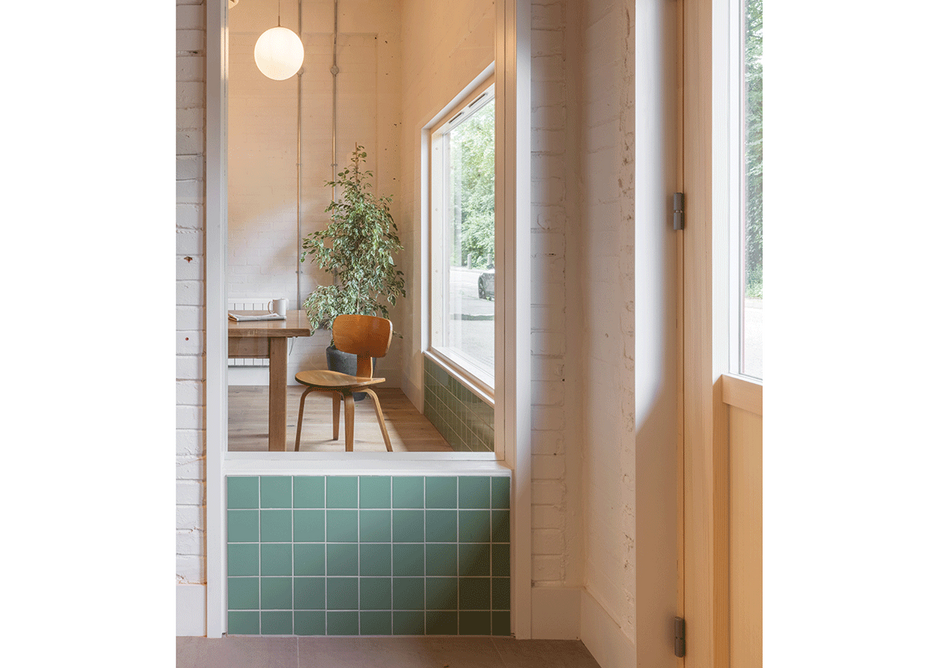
x=190, y=610
x=412, y=391
x=603, y=637
x=555, y=613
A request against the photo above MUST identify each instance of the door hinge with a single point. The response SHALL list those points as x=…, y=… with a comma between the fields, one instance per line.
x=677, y=212
x=680, y=643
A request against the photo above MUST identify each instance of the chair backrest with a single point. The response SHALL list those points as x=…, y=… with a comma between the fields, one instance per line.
x=364, y=335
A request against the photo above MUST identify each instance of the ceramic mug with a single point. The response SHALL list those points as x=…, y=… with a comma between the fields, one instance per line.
x=278, y=306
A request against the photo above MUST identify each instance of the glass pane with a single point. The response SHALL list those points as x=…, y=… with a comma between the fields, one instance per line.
x=752, y=185
x=469, y=311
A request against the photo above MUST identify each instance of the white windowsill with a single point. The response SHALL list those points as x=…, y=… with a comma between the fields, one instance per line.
x=482, y=388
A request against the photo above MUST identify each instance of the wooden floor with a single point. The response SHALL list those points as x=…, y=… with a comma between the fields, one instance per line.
x=409, y=430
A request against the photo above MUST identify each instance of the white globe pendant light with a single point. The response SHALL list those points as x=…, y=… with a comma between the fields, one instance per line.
x=278, y=53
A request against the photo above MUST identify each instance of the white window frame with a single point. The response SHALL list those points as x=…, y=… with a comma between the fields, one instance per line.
x=513, y=374
x=473, y=375
x=729, y=166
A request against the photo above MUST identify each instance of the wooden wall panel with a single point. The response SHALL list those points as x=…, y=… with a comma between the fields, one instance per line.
x=745, y=537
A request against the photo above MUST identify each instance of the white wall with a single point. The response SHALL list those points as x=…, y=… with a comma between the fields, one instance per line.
x=445, y=46
x=190, y=289
x=606, y=292
x=554, y=467
x=657, y=343
x=624, y=336
x=263, y=148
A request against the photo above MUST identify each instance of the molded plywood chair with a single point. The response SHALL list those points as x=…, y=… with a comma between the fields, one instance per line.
x=367, y=337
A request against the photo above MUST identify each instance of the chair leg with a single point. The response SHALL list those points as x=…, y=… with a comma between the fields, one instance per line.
x=349, y=422
x=380, y=414
x=299, y=419
x=336, y=403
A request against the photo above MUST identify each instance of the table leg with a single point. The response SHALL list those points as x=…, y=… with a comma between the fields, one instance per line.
x=277, y=402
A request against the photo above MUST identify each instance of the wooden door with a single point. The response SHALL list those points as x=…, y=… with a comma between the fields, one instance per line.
x=722, y=415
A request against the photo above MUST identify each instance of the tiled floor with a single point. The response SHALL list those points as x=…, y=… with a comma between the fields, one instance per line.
x=244, y=652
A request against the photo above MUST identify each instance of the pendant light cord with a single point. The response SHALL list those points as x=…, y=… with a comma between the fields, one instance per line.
x=299, y=162
x=335, y=75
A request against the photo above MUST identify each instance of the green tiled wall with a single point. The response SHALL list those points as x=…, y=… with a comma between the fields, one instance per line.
x=464, y=420
x=368, y=555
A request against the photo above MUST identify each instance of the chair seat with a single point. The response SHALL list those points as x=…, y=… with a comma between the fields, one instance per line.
x=333, y=380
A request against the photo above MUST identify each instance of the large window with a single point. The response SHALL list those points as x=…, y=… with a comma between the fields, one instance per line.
x=462, y=311
x=745, y=151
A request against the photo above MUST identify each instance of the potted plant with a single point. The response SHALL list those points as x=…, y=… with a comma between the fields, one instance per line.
x=357, y=249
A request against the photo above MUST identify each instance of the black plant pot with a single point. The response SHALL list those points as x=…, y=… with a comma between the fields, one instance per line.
x=346, y=363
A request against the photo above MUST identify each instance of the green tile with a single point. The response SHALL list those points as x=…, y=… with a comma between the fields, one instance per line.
x=276, y=593
x=375, y=559
x=475, y=594
x=441, y=492
x=342, y=594
x=376, y=526
x=309, y=492
x=442, y=559
x=375, y=593
x=244, y=623
x=277, y=623
x=243, y=560
x=442, y=623
x=441, y=526
x=501, y=526
x=309, y=559
x=341, y=492
x=408, y=492
x=474, y=492
x=277, y=559
x=242, y=492
x=474, y=559
x=243, y=526
x=309, y=593
x=276, y=492
x=501, y=594
x=243, y=593
x=375, y=492
x=442, y=593
x=408, y=526
x=342, y=526
x=306, y=623
x=407, y=623
x=408, y=559
x=342, y=559
x=475, y=623
x=276, y=526
x=501, y=492
x=501, y=561
x=501, y=623
x=408, y=593
x=474, y=526
x=342, y=623
x=309, y=526
x=376, y=623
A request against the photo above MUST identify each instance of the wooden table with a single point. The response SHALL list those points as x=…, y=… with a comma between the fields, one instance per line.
x=268, y=339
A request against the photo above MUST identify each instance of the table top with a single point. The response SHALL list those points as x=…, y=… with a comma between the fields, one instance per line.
x=296, y=324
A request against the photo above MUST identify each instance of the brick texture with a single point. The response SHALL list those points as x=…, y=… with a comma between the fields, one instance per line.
x=190, y=291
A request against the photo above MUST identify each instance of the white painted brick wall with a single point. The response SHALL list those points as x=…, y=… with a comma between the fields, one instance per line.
x=190, y=292
x=606, y=232
x=552, y=552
